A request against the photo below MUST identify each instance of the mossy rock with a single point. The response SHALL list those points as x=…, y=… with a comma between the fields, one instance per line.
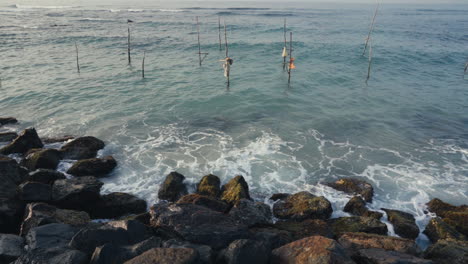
x=173, y=187
x=41, y=159
x=403, y=223
x=357, y=206
x=354, y=186
x=306, y=228
x=235, y=190
x=209, y=185
x=455, y=216
x=448, y=251
x=357, y=224
x=437, y=229
x=205, y=201
x=301, y=206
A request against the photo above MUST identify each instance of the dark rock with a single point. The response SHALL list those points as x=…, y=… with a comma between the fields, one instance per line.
x=50, y=235
x=356, y=241
x=94, y=167
x=11, y=174
x=455, y=216
x=143, y=218
x=53, y=256
x=459, y=220
x=437, y=229
x=206, y=201
x=403, y=223
x=357, y=206
x=11, y=247
x=117, y=204
x=38, y=214
x=28, y=139
x=440, y=208
x=82, y=148
x=311, y=250
x=137, y=231
x=76, y=193
x=205, y=252
x=380, y=256
x=279, y=196
x=245, y=251
x=306, y=228
x=166, y=256
x=251, y=213
x=45, y=176
x=448, y=252
x=209, y=185
x=7, y=136
x=173, y=187
x=358, y=224
x=35, y=191
x=11, y=212
x=7, y=120
x=271, y=236
x=236, y=189
x=198, y=224
x=57, y=139
x=41, y=159
x=301, y=206
x=354, y=186
x=110, y=253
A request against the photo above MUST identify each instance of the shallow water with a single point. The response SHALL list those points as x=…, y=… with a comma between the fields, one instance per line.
x=406, y=132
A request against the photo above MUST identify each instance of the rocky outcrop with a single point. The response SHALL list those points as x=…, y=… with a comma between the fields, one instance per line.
x=173, y=187
x=437, y=229
x=235, y=190
x=311, y=250
x=117, y=204
x=11, y=247
x=41, y=159
x=357, y=206
x=357, y=224
x=45, y=176
x=354, y=186
x=251, y=213
x=166, y=256
x=209, y=185
x=28, y=139
x=455, y=216
x=206, y=201
x=7, y=120
x=76, y=193
x=306, y=228
x=448, y=252
x=357, y=241
x=7, y=136
x=403, y=223
x=35, y=192
x=301, y=206
x=11, y=175
x=245, y=251
x=93, y=167
x=380, y=256
x=81, y=148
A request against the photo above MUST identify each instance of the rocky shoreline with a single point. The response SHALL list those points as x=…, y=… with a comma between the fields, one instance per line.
x=49, y=217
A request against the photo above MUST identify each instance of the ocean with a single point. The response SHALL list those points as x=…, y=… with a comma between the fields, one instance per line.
x=406, y=131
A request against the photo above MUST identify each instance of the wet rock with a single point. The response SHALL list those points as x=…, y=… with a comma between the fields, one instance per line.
x=455, y=216
x=279, y=196
x=245, y=251
x=38, y=214
x=45, y=176
x=301, y=206
x=311, y=250
x=94, y=167
x=143, y=218
x=356, y=241
x=117, y=204
x=137, y=231
x=357, y=224
x=11, y=174
x=11, y=247
x=440, y=208
x=205, y=253
x=357, y=206
x=7, y=136
x=7, y=120
x=459, y=220
x=50, y=235
x=437, y=229
x=251, y=213
x=354, y=186
x=173, y=187
x=209, y=185
x=306, y=228
x=41, y=159
x=403, y=223
x=110, y=253
x=11, y=212
x=82, y=148
x=166, y=256
x=52, y=140
x=35, y=191
x=271, y=236
x=28, y=139
x=53, y=256
x=198, y=224
x=76, y=193
x=236, y=189
x=380, y=256
x=448, y=252
x=206, y=201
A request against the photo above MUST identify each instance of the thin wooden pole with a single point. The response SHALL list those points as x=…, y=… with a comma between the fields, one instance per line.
x=199, y=48
x=219, y=32
x=285, y=44
x=370, y=62
x=128, y=47
x=143, y=65
x=290, y=57
x=77, y=59
x=466, y=68
x=227, y=54
x=371, y=29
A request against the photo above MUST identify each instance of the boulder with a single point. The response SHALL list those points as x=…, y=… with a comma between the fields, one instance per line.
x=440, y=208
x=41, y=159
x=272, y=237
x=448, y=252
x=358, y=224
x=11, y=174
x=45, y=176
x=28, y=139
x=311, y=250
x=301, y=206
x=380, y=256
x=7, y=136
x=76, y=193
x=81, y=148
x=53, y=256
x=137, y=231
x=306, y=228
x=205, y=253
x=458, y=220
x=35, y=191
x=209, y=185
x=110, y=253
x=37, y=214
x=198, y=224
x=245, y=251
x=236, y=189
x=117, y=204
x=279, y=196
x=356, y=241
x=94, y=167
x=357, y=206
x=173, y=187
x=455, y=216
x=437, y=229
x=52, y=140
x=251, y=213
x=403, y=223
x=206, y=201
x=11, y=212
x=354, y=186
x=50, y=235
x=11, y=247
x=166, y=256
x=7, y=120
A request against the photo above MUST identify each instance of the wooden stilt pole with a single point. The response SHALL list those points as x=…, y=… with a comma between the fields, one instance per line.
x=227, y=51
x=143, y=65
x=371, y=29
x=77, y=58
x=466, y=69
x=290, y=57
x=128, y=47
x=199, y=48
x=219, y=32
x=284, y=58
x=370, y=61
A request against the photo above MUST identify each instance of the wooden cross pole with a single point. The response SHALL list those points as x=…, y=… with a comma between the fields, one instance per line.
x=200, y=59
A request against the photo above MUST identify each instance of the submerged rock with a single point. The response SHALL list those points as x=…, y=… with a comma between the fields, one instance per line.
x=251, y=213
x=28, y=139
x=380, y=256
x=354, y=186
x=358, y=224
x=7, y=136
x=41, y=159
x=437, y=229
x=11, y=247
x=235, y=190
x=306, y=228
x=93, y=167
x=7, y=120
x=206, y=201
x=448, y=252
x=166, y=256
x=357, y=206
x=403, y=223
x=303, y=205
x=279, y=196
x=117, y=204
x=173, y=187
x=356, y=241
x=245, y=251
x=82, y=148
x=209, y=185
x=35, y=192
x=45, y=176
x=76, y=193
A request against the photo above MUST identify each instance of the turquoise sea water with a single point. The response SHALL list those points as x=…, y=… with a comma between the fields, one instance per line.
x=406, y=132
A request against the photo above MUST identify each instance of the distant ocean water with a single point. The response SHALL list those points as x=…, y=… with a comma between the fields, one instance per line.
x=406, y=132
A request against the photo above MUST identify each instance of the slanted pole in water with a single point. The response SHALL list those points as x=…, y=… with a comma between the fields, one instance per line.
x=128, y=47
x=290, y=57
x=200, y=59
x=285, y=44
x=143, y=65
x=371, y=29
x=227, y=52
x=466, y=68
x=219, y=32
x=77, y=58
x=370, y=62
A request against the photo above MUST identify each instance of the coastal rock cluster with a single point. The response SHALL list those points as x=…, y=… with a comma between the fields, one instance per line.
x=50, y=217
